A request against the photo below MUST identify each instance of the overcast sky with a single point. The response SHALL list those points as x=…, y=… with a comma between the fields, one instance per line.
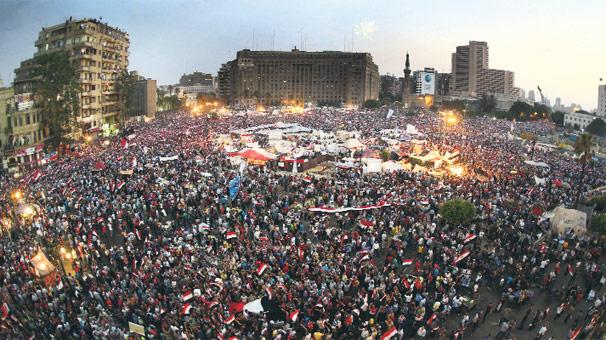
x=558, y=44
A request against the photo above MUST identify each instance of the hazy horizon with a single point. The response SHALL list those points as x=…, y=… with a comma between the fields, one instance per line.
x=554, y=44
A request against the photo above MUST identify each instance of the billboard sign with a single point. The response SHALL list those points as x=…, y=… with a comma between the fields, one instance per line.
x=428, y=83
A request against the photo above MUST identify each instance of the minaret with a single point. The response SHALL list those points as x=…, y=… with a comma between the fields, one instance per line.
x=406, y=84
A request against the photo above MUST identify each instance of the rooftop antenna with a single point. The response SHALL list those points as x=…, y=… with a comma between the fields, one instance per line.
x=352, y=40
x=301, y=39
x=305, y=45
x=273, y=40
x=344, y=43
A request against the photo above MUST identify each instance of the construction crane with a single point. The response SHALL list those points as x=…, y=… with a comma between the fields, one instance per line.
x=541, y=93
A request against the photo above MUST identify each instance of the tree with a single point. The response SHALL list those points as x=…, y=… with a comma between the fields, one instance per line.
x=558, y=118
x=385, y=155
x=454, y=105
x=58, y=94
x=583, y=149
x=597, y=127
x=372, y=104
x=486, y=104
x=598, y=224
x=125, y=86
x=458, y=212
x=600, y=203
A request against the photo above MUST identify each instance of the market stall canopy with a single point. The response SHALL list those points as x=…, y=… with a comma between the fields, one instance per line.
x=255, y=154
x=41, y=264
x=354, y=144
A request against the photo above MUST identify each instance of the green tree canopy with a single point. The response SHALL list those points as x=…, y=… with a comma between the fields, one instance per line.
x=598, y=224
x=558, y=118
x=57, y=92
x=597, y=127
x=484, y=105
x=454, y=105
x=372, y=104
x=125, y=86
x=458, y=212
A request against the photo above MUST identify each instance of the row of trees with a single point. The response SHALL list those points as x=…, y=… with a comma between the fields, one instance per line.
x=520, y=111
x=58, y=96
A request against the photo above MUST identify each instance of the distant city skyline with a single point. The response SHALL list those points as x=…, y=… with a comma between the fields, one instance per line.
x=554, y=44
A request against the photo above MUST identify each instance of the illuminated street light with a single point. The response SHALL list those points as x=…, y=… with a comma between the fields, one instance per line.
x=451, y=120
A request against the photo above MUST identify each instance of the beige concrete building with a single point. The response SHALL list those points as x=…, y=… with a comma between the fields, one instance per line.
x=22, y=133
x=324, y=78
x=6, y=98
x=495, y=81
x=100, y=52
x=467, y=63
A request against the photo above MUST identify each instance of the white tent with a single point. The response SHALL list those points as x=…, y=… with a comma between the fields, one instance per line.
x=569, y=218
x=354, y=144
x=371, y=165
x=539, y=164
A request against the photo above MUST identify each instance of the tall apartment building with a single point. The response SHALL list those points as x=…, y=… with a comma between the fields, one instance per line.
x=99, y=53
x=319, y=77
x=6, y=96
x=495, y=81
x=196, y=78
x=601, y=111
x=467, y=63
x=225, y=82
x=390, y=86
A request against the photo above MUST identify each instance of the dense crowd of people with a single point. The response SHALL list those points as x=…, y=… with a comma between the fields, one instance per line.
x=167, y=247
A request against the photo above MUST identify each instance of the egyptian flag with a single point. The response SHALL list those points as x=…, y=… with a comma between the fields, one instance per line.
x=542, y=248
x=407, y=262
x=230, y=234
x=204, y=227
x=230, y=319
x=301, y=253
x=294, y=315
x=269, y=294
x=213, y=304
x=575, y=333
x=389, y=334
x=262, y=267
x=406, y=283
x=366, y=224
x=349, y=320
x=120, y=185
x=365, y=258
x=307, y=179
x=187, y=296
x=185, y=309
x=99, y=219
x=462, y=256
x=59, y=283
x=469, y=238
x=5, y=311
x=138, y=233
x=431, y=318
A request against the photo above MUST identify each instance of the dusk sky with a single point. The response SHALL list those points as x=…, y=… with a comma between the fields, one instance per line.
x=558, y=44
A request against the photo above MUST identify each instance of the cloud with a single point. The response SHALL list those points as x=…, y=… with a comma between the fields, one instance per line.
x=366, y=28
